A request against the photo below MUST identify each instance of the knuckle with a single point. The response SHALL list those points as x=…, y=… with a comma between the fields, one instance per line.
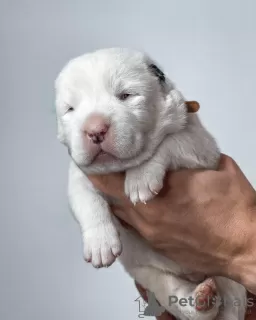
x=150, y=233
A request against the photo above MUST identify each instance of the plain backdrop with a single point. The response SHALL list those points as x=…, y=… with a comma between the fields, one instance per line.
x=207, y=47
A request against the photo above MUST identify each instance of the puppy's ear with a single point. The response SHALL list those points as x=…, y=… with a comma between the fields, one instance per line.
x=192, y=106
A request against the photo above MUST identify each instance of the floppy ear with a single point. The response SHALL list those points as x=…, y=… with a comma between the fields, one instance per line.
x=167, y=85
x=192, y=106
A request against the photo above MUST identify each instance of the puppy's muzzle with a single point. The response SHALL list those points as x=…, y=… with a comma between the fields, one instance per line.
x=96, y=128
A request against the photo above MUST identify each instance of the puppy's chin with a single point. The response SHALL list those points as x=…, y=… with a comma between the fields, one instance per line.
x=104, y=157
x=106, y=162
x=110, y=155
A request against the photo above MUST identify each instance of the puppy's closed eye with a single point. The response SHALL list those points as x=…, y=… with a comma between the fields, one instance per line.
x=124, y=96
x=69, y=109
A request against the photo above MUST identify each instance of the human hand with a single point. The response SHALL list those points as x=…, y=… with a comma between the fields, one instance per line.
x=195, y=206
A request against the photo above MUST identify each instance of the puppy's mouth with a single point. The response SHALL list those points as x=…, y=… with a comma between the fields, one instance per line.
x=103, y=157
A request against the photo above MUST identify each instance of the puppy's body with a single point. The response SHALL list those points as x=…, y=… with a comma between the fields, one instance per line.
x=117, y=111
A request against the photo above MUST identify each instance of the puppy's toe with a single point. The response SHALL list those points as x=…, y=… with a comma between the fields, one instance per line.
x=102, y=245
x=96, y=258
x=143, y=186
x=87, y=254
x=116, y=248
x=145, y=194
x=207, y=300
x=107, y=257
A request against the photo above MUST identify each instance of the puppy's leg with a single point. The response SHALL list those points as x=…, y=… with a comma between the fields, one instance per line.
x=183, y=299
x=100, y=237
x=142, y=183
x=193, y=147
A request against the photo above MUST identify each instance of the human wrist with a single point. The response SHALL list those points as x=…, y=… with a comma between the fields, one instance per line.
x=242, y=267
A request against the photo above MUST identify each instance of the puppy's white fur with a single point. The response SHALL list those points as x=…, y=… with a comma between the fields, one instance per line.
x=150, y=132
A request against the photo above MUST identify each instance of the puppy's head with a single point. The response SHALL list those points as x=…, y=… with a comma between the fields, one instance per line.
x=113, y=109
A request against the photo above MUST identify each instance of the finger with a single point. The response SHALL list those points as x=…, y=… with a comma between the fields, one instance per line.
x=250, y=315
x=166, y=316
x=142, y=291
x=222, y=163
x=123, y=213
x=130, y=216
x=124, y=224
x=251, y=310
x=229, y=165
x=110, y=184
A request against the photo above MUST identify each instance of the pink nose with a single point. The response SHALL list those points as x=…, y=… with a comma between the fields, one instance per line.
x=96, y=127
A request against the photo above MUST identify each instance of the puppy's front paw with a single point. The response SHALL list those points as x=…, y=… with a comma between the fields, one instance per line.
x=143, y=183
x=102, y=245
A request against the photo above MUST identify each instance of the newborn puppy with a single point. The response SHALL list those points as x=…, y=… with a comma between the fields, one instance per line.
x=117, y=111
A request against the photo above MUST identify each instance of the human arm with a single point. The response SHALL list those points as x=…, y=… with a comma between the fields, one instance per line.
x=202, y=219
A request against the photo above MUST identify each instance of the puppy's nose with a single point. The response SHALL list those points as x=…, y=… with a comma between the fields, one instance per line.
x=96, y=127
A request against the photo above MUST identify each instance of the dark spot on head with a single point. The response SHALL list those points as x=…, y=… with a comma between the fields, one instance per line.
x=157, y=72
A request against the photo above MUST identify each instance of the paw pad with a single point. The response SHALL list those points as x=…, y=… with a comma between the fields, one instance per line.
x=205, y=295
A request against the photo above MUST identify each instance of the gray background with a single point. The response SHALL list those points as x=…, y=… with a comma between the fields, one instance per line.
x=207, y=47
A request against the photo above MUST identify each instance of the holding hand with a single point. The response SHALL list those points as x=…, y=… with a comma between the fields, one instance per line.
x=202, y=219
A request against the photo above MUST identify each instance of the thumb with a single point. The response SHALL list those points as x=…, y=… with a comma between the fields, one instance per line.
x=223, y=162
x=226, y=163
x=229, y=165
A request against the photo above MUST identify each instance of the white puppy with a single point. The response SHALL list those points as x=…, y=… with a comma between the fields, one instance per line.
x=117, y=111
